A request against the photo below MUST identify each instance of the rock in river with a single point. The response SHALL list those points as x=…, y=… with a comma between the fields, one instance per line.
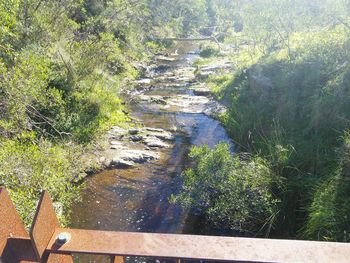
x=117, y=132
x=154, y=129
x=117, y=145
x=144, y=81
x=133, y=131
x=159, y=133
x=155, y=142
x=118, y=163
x=153, y=99
x=201, y=90
x=136, y=156
x=136, y=138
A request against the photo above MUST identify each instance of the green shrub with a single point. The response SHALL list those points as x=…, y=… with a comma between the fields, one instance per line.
x=27, y=168
x=209, y=50
x=232, y=192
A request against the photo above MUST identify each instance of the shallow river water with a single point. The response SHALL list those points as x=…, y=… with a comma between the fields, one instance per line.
x=137, y=199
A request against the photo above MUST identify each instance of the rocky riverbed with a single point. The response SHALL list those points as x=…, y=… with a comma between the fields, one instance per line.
x=163, y=89
x=171, y=111
x=129, y=147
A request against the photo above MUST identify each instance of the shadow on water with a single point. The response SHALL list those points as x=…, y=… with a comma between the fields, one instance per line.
x=137, y=199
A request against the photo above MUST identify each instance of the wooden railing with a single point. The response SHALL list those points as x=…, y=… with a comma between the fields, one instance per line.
x=48, y=242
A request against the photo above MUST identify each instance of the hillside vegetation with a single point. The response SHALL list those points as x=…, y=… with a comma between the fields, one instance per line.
x=289, y=103
x=62, y=67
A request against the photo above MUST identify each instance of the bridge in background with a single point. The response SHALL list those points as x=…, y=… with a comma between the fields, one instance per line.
x=48, y=242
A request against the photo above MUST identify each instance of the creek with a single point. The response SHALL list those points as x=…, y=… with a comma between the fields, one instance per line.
x=137, y=198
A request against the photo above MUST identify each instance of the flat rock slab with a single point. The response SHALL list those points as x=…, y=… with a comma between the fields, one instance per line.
x=143, y=81
x=122, y=164
x=117, y=133
x=158, y=133
x=129, y=147
x=136, y=156
x=164, y=58
x=117, y=145
x=153, y=99
x=155, y=142
x=154, y=129
x=201, y=90
x=189, y=104
x=185, y=104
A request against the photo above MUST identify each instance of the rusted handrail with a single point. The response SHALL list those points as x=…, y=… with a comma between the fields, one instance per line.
x=50, y=243
x=199, y=247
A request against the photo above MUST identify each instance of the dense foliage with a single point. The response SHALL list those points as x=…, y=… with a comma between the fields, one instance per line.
x=288, y=101
x=62, y=66
x=234, y=192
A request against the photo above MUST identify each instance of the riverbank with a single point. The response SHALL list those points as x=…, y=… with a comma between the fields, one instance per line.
x=292, y=110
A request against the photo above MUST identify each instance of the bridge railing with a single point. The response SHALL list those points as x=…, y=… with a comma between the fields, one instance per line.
x=48, y=242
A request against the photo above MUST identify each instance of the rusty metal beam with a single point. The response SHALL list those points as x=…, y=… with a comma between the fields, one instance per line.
x=18, y=250
x=56, y=258
x=11, y=224
x=44, y=225
x=200, y=247
x=49, y=243
x=15, y=244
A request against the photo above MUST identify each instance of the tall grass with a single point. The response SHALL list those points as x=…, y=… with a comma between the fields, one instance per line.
x=293, y=111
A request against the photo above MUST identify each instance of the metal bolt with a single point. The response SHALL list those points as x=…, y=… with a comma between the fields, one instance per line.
x=63, y=238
